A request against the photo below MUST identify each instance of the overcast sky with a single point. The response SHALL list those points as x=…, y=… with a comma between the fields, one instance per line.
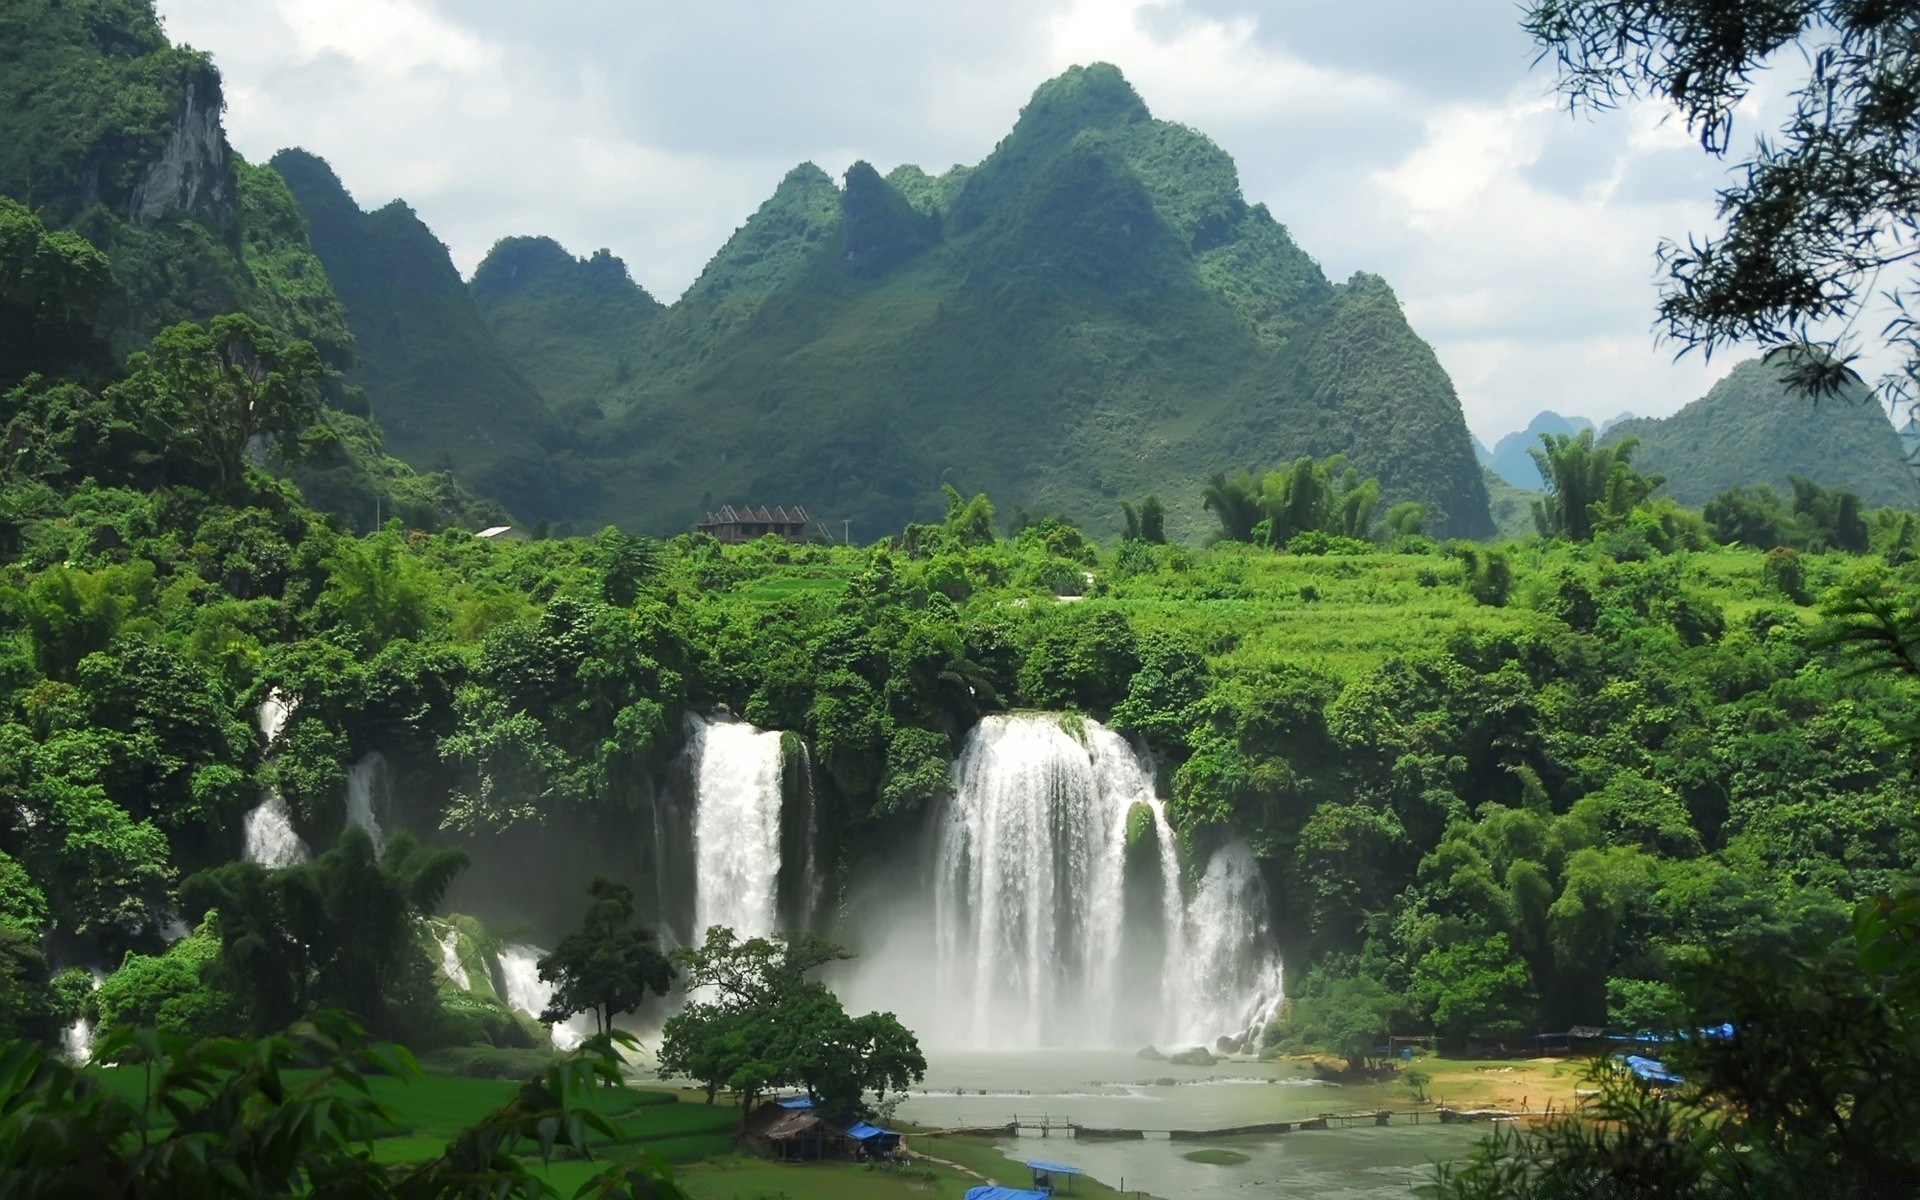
x=1406, y=137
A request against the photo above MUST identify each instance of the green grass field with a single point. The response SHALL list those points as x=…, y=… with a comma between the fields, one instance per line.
x=695, y=1139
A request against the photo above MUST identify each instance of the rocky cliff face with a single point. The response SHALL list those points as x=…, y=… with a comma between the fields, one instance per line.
x=193, y=174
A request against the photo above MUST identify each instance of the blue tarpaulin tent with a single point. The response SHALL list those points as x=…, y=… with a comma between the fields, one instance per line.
x=1003, y=1193
x=874, y=1139
x=1650, y=1069
x=795, y=1102
x=1044, y=1172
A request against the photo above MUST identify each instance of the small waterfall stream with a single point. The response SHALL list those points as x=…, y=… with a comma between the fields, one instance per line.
x=450, y=964
x=270, y=838
x=76, y=1040
x=523, y=989
x=368, y=790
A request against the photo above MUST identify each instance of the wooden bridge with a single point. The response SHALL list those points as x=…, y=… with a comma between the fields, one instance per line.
x=1048, y=1125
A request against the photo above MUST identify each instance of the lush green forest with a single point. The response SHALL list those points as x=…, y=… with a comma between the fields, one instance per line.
x=1491, y=788
x=1752, y=429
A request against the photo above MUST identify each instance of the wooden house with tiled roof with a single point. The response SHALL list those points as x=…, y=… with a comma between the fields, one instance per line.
x=734, y=525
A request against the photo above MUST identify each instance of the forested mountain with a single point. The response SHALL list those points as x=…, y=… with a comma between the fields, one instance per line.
x=1093, y=312
x=1509, y=458
x=1750, y=429
x=123, y=210
x=576, y=327
x=446, y=395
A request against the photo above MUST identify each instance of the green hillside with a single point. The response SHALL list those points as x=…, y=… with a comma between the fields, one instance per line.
x=1092, y=313
x=445, y=394
x=575, y=326
x=1750, y=429
x=112, y=153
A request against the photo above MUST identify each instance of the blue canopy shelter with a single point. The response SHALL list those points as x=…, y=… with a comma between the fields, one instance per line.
x=1652, y=1070
x=984, y=1192
x=874, y=1140
x=1044, y=1173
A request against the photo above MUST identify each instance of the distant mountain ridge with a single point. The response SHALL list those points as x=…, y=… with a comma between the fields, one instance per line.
x=1509, y=458
x=1751, y=428
x=1091, y=313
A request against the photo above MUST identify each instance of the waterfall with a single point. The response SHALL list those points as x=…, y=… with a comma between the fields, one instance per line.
x=362, y=778
x=76, y=1040
x=272, y=716
x=270, y=837
x=1229, y=981
x=736, y=827
x=523, y=989
x=450, y=965
x=1028, y=902
x=1031, y=942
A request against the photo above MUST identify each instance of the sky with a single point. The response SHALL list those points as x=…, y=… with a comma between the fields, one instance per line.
x=1410, y=138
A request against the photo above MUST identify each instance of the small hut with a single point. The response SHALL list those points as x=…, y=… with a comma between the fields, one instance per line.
x=735, y=525
x=791, y=1131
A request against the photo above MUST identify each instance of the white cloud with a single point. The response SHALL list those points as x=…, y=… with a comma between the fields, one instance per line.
x=1389, y=136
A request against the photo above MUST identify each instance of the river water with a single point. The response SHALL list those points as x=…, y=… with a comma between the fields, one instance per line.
x=1113, y=1089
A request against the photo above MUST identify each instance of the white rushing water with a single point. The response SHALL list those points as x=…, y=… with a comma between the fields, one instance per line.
x=270, y=837
x=76, y=1040
x=523, y=989
x=1226, y=979
x=1031, y=940
x=736, y=826
x=366, y=783
x=273, y=714
x=450, y=964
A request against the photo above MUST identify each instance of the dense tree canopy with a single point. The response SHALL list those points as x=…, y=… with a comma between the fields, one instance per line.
x=1823, y=213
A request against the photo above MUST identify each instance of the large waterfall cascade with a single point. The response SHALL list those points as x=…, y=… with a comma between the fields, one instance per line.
x=1032, y=943
x=367, y=791
x=736, y=826
x=270, y=839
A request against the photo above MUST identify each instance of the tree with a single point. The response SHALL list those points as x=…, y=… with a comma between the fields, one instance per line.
x=29, y=1009
x=1809, y=1091
x=1751, y=516
x=1833, y=517
x=1587, y=485
x=338, y=932
x=609, y=965
x=969, y=522
x=1823, y=214
x=51, y=283
x=770, y=1026
x=1235, y=502
x=208, y=393
x=1153, y=521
